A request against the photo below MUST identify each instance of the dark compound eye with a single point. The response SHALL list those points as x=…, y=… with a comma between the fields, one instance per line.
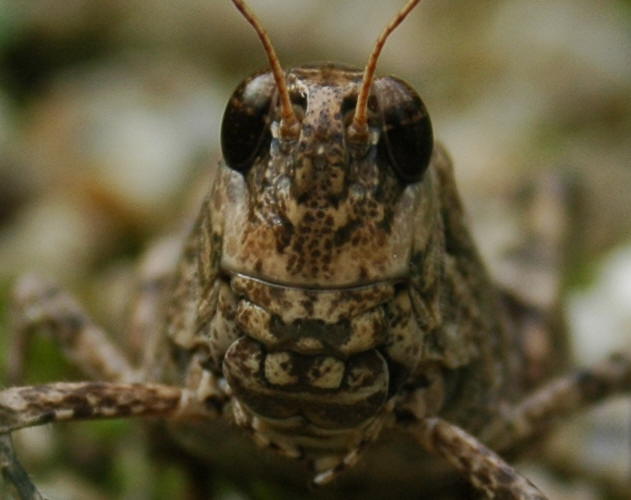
x=245, y=127
x=406, y=138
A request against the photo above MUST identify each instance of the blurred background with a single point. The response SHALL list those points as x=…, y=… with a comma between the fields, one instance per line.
x=109, y=121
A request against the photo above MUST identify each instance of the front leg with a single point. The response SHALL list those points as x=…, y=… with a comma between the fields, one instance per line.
x=68, y=401
x=71, y=401
x=486, y=470
x=39, y=306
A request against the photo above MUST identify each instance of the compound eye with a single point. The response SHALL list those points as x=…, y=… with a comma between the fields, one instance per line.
x=406, y=140
x=245, y=127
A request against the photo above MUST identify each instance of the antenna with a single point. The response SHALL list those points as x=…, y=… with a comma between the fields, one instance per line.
x=358, y=129
x=289, y=126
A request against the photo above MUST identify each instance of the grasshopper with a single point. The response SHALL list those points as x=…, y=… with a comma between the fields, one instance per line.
x=328, y=303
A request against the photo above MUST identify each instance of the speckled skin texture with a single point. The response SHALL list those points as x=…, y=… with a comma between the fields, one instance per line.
x=311, y=213
x=327, y=291
x=328, y=300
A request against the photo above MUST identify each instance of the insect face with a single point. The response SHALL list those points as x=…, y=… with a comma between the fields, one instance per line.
x=316, y=246
x=317, y=205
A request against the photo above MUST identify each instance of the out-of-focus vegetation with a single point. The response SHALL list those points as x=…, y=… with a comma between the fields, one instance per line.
x=109, y=119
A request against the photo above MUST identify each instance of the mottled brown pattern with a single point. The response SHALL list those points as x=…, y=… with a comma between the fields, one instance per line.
x=328, y=297
x=313, y=262
x=486, y=470
x=322, y=255
x=315, y=213
x=34, y=405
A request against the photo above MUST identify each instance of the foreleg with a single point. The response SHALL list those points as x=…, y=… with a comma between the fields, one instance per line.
x=36, y=405
x=486, y=470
